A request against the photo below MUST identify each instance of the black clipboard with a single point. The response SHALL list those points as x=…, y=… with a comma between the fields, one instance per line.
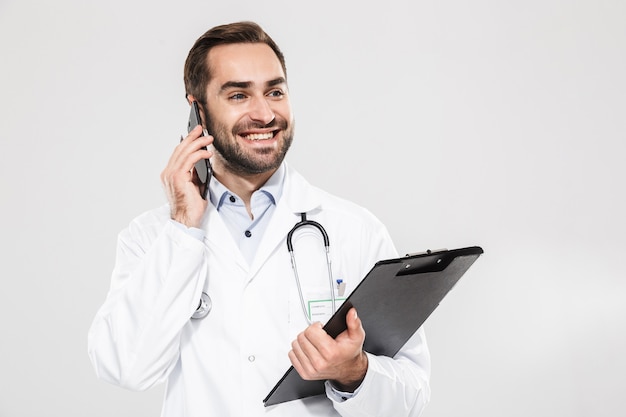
x=393, y=300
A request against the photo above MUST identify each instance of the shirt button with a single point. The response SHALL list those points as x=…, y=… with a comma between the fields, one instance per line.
x=251, y=358
x=248, y=233
x=232, y=199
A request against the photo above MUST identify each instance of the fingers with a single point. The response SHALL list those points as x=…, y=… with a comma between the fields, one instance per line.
x=186, y=154
x=190, y=150
x=305, y=355
x=181, y=187
x=179, y=172
x=316, y=355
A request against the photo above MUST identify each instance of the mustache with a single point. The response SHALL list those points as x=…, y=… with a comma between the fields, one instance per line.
x=277, y=122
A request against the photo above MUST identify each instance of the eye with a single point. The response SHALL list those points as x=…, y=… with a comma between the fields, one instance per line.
x=237, y=96
x=276, y=93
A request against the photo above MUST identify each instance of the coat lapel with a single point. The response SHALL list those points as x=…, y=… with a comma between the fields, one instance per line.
x=298, y=196
x=219, y=239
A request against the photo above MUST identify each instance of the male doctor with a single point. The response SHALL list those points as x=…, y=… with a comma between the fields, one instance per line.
x=232, y=246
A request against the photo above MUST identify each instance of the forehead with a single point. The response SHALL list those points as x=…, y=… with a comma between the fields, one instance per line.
x=245, y=62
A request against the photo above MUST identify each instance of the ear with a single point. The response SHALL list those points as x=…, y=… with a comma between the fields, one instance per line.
x=190, y=98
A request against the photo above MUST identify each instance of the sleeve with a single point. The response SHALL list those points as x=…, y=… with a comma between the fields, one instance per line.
x=397, y=386
x=134, y=340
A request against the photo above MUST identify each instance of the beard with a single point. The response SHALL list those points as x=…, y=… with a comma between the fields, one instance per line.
x=246, y=161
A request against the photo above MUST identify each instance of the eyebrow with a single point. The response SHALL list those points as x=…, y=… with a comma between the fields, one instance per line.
x=248, y=84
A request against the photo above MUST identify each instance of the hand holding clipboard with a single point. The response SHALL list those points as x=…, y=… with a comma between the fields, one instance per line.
x=393, y=300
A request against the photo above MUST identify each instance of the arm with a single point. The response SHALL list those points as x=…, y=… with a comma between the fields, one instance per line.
x=397, y=386
x=134, y=339
x=156, y=284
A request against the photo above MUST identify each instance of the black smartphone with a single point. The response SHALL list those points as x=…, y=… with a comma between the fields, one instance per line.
x=203, y=167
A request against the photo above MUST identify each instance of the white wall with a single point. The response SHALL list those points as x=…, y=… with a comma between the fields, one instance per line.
x=500, y=124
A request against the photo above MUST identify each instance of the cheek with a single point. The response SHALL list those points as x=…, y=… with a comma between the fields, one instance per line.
x=222, y=125
x=283, y=109
x=223, y=116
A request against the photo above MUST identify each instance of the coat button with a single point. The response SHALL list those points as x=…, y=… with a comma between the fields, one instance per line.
x=251, y=358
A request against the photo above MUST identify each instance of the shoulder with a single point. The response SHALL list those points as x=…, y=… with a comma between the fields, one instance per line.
x=148, y=225
x=353, y=226
x=346, y=209
x=306, y=197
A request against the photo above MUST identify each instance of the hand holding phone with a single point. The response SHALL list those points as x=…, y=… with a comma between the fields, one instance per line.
x=203, y=167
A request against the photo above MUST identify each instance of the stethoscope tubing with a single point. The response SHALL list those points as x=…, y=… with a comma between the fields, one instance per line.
x=205, y=301
x=303, y=223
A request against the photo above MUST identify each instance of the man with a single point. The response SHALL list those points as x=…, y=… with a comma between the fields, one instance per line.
x=231, y=247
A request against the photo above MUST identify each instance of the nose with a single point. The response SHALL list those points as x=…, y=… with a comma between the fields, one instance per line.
x=261, y=111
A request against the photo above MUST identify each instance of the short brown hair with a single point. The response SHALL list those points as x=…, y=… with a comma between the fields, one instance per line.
x=197, y=74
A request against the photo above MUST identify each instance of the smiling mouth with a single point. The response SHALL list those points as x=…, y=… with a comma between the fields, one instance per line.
x=259, y=136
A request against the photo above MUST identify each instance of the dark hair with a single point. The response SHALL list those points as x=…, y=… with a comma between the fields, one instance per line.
x=197, y=72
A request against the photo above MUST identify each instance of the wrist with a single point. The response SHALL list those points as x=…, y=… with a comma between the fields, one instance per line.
x=354, y=376
x=183, y=217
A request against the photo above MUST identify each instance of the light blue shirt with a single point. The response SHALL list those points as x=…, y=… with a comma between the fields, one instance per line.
x=246, y=231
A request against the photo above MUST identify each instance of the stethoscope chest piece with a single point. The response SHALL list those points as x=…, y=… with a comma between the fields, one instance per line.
x=203, y=308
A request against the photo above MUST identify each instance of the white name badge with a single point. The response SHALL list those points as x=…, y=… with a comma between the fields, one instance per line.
x=322, y=310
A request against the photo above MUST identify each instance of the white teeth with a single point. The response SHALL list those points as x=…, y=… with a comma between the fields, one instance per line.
x=260, y=136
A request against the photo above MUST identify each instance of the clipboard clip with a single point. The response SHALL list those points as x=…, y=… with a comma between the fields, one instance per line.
x=430, y=261
x=427, y=252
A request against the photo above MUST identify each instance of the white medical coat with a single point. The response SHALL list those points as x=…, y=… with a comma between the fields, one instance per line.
x=225, y=364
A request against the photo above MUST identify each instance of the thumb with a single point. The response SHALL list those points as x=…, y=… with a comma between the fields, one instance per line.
x=353, y=322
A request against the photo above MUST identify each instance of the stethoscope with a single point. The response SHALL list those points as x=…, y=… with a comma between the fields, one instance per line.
x=303, y=223
x=204, y=307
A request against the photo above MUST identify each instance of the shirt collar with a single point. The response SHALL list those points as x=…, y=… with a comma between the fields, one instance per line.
x=273, y=188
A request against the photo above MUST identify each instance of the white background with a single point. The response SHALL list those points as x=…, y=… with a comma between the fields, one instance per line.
x=491, y=123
